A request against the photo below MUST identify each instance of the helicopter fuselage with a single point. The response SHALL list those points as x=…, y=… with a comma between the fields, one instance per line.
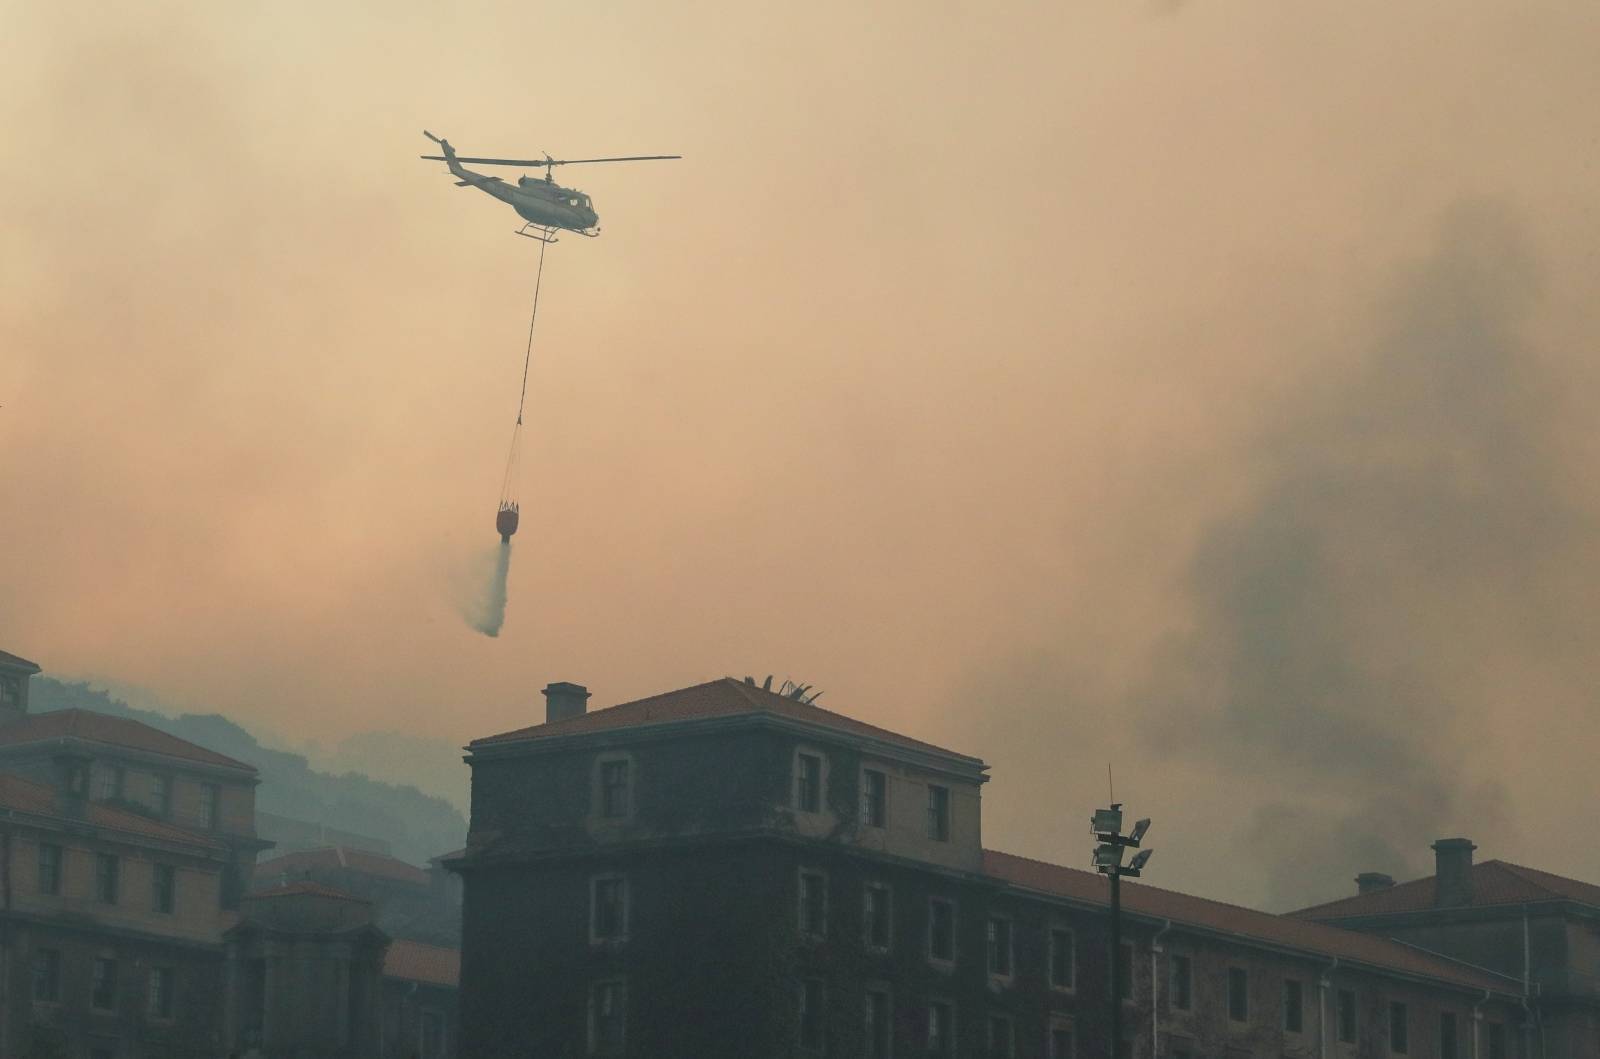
x=541, y=202
x=552, y=205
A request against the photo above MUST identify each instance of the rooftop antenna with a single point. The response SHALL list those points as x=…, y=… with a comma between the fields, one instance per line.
x=1110, y=788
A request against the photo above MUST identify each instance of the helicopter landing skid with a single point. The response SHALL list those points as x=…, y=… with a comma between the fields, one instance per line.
x=540, y=232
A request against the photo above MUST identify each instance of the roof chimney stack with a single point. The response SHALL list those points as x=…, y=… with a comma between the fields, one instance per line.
x=1371, y=882
x=1452, y=883
x=563, y=700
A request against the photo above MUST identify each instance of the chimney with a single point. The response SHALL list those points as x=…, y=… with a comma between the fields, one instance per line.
x=563, y=700
x=1371, y=882
x=1452, y=883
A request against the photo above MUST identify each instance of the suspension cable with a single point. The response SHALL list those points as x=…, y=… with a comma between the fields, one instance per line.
x=513, y=457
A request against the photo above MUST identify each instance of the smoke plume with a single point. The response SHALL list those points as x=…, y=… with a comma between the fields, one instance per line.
x=1410, y=532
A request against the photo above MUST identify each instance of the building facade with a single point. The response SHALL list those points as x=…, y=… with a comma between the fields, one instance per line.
x=127, y=929
x=725, y=871
x=1541, y=929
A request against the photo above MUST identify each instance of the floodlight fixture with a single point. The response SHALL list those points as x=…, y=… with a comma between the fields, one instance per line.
x=1107, y=821
x=1139, y=860
x=1138, y=831
x=1108, y=857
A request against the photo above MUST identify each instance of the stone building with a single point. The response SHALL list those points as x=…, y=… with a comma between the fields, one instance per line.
x=304, y=973
x=123, y=851
x=1541, y=929
x=126, y=931
x=418, y=904
x=419, y=1000
x=725, y=871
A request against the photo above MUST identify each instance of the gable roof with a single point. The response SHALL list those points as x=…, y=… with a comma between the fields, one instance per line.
x=1494, y=882
x=17, y=662
x=113, y=731
x=310, y=888
x=1245, y=923
x=342, y=858
x=726, y=697
x=416, y=962
x=24, y=795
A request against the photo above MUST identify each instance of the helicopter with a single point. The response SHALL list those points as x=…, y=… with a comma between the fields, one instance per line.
x=546, y=206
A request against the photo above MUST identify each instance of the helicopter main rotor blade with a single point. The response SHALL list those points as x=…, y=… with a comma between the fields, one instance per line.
x=540, y=163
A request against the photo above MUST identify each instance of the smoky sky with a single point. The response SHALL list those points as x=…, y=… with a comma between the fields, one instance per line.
x=1211, y=394
x=1412, y=530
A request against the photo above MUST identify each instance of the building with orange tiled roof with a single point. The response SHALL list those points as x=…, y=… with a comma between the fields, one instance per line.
x=125, y=928
x=421, y=998
x=123, y=853
x=413, y=903
x=727, y=871
x=1539, y=928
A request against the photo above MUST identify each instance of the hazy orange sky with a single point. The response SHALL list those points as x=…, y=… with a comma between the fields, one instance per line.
x=1208, y=387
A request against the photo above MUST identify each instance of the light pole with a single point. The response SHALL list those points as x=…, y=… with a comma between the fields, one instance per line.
x=1106, y=826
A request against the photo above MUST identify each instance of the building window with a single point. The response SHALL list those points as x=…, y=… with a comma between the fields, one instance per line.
x=874, y=798
x=1293, y=1006
x=160, y=999
x=1125, y=972
x=47, y=975
x=1000, y=947
x=878, y=915
x=108, y=782
x=608, y=1017
x=811, y=1014
x=161, y=795
x=1063, y=961
x=49, y=868
x=1061, y=1042
x=808, y=783
x=165, y=888
x=1447, y=1035
x=10, y=691
x=614, y=789
x=608, y=920
x=1346, y=1016
x=941, y=1028
x=939, y=813
x=941, y=929
x=880, y=1021
x=1399, y=1028
x=105, y=878
x=1238, y=994
x=103, y=987
x=813, y=904
x=1182, y=983
x=1001, y=1037
x=1497, y=1040
x=210, y=795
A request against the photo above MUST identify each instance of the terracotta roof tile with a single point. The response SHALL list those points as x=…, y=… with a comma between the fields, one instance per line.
x=416, y=962
x=303, y=887
x=25, y=795
x=17, y=661
x=1263, y=927
x=718, y=698
x=342, y=858
x=1494, y=882
x=114, y=731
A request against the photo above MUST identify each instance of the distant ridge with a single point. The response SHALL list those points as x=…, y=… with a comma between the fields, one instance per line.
x=416, y=826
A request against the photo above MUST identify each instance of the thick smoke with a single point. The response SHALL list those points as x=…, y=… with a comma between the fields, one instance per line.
x=1411, y=531
x=488, y=612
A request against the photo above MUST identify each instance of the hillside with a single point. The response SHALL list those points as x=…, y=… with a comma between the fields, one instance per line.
x=416, y=825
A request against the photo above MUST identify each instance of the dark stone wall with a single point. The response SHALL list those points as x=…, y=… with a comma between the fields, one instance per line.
x=71, y=1025
x=542, y=802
